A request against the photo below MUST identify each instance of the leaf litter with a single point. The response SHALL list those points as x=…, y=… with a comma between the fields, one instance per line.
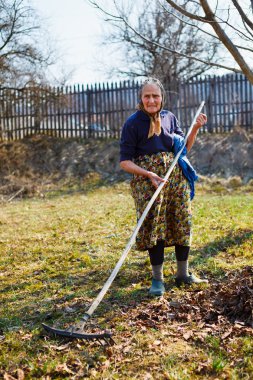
x=223, y=308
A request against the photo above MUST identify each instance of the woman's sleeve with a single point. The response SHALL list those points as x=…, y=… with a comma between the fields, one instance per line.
x=128, y=142
x=176, y=127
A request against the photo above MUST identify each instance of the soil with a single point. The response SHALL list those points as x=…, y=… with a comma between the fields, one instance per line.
x=40, y=161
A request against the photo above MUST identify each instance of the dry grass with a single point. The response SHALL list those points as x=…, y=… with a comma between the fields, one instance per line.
x=56, y=253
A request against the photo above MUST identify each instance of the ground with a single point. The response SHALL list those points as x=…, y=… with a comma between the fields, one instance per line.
x=56, y=253
x=60, y=242
x=35, y=164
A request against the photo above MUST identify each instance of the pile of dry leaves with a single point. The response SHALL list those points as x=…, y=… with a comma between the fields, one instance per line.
x=224, y=307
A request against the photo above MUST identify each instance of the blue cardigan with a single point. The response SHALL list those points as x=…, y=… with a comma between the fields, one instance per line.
x=134, y=141
x=134, y=136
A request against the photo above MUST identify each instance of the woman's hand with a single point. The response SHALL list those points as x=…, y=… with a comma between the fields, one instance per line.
x=131, y=167
x=201, y=120
x=155, y=179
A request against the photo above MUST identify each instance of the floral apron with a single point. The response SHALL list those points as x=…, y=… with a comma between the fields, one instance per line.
x=169, y=218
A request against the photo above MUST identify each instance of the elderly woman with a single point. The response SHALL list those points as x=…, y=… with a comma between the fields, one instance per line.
x=148, y=143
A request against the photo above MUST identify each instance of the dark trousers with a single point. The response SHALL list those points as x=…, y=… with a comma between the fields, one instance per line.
x=156, y=253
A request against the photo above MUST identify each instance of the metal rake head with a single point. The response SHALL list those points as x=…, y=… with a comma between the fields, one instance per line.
x=77, y=332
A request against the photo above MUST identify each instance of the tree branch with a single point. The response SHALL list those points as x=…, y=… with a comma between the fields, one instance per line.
x=239, y=31
x=226, y=41
x=200, y=29
x=242, y=14
x=11, y=32
x=205, y=19
x=122, y=19
x=178, y=53
x=186, y=13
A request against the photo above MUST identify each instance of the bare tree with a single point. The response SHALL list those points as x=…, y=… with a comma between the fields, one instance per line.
x=228, y=23
x=228, y=26
x=145, y=44
x=25, y=57
x=22, y=58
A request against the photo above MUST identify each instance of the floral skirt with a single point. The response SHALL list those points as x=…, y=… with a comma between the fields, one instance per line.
x=169, y=218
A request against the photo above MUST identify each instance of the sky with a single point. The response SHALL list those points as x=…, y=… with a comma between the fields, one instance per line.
x=76, y=31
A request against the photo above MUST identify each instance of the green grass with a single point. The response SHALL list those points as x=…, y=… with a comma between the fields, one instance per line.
x=57, y=252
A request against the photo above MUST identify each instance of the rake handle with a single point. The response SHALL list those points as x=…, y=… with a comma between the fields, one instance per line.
x=119, y=264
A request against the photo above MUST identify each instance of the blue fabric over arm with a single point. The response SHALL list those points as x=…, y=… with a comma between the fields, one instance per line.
x=187, y=169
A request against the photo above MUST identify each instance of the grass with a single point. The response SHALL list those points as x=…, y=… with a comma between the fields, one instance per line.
x=56, y=253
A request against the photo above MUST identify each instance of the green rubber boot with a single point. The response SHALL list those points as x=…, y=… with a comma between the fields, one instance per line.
x=188, y=280
x=157, y=288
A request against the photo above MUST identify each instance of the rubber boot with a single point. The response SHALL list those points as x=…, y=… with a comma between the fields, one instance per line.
x=188, y=280
x=157, y=288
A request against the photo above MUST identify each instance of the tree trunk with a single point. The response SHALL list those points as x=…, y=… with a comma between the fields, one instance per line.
x=226, y=41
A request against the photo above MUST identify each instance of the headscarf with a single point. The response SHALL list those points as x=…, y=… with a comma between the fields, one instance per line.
x=155, y=120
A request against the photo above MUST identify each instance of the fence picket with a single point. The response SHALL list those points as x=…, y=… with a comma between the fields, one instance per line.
x=99, y=111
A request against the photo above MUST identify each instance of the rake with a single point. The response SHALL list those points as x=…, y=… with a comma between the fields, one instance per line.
x=77, y=330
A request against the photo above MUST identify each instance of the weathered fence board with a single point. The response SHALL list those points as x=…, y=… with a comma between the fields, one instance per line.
x=99, y=111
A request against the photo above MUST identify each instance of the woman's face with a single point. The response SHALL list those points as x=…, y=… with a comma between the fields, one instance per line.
x=151, y=98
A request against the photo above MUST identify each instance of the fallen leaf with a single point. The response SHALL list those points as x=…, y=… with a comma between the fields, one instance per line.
x=188, y=335
x=147, y=376
x=93, y=372
x=109, y=351
x=26, y=337
x=8, y=377
x=21, y=374
x=226, y=334
x=105, y=365
x=60, y=348
x=64, y=368
x=127, y=349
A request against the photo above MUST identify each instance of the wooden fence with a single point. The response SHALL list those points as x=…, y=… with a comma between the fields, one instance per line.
x=99, y=111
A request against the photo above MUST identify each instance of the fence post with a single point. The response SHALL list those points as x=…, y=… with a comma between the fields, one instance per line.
x=89, y=108
x=209, y=104
x=68, y=113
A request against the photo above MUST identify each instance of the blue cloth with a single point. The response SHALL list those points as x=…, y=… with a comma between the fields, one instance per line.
x=184, y=163
x=134, y=136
